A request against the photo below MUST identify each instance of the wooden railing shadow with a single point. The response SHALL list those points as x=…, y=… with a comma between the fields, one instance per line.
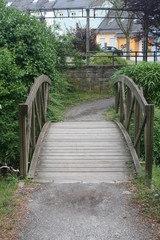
x=134, y=110
x=32, y=118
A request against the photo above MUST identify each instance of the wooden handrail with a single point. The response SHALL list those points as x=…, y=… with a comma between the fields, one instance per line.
x=129, y=98
x=32, y=117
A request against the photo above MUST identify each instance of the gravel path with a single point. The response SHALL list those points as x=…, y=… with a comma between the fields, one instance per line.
x=85, y=211
x=91, y=111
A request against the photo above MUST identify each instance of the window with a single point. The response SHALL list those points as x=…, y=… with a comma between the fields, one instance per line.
x=60, y=15
x=73, y=14
x=80, y=13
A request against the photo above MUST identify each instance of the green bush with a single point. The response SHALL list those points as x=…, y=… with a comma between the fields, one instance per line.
x=146, y=75
x=12, y=92
x=28, y=49
x=156, y=140
x=107, y=59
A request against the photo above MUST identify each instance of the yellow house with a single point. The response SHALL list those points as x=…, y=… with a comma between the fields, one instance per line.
x=109, y=34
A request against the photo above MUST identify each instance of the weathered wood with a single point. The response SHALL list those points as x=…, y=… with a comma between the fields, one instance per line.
x=143, y=116
x=119, y=156
x=74, y=170
x=141, y=129
x=128, y=122
x=137, y=126
x=129, y=100
x=22, y=137
x=32, y=117
x=81, y=163
x=110, y=177
x=131, y=148
x=149, y=140
x=124, y=102
x=33, y=127
x=116, y=98
x=84, y=152
x=134, y=88
x=37, y=151
x=121, y=105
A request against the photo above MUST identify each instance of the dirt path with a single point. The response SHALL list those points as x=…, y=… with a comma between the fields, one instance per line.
x=85, y=211
x=91, y=111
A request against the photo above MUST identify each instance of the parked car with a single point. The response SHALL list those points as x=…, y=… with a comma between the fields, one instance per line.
x=112, y=50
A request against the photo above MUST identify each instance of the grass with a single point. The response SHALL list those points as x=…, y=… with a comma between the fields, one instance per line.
x=148, y=197
x=156, y=177
x=111, y=115
x=8, y=186
x=57, y=108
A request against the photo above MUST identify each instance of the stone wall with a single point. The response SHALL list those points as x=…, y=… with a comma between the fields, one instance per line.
x=95, y=78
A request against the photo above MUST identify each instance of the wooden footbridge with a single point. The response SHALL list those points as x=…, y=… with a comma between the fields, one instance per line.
x=85, y=151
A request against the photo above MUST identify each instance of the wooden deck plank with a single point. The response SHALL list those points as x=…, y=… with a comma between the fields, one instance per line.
x=83, y=177
x=91, y=161
x=84, y=151
x=122, y=169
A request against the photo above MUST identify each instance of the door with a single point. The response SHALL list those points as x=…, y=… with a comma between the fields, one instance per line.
x=102, y=42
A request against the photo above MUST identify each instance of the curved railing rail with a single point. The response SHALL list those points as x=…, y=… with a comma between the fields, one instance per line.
x=32, y=117
x=129, y=98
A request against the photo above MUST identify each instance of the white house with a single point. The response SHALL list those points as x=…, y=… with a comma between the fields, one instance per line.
x=65, y=13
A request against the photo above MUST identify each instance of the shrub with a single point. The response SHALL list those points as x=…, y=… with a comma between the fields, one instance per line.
x=28, y=49
x=156, y=147
x=107, y=59
x=146, y=75
x=12, y=92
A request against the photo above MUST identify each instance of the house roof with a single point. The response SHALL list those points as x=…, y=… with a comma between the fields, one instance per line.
x=110, y=25
x=31, y=5
x=62, y=4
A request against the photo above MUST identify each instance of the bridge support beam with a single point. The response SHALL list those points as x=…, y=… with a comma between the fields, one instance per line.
x=149, y=140
x=22, y=139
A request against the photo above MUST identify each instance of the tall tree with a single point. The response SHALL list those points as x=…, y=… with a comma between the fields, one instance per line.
x=148, y=14
x=126, y=28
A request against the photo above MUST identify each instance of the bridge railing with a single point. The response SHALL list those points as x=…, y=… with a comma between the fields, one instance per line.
x=132, y=104
x=32, y=117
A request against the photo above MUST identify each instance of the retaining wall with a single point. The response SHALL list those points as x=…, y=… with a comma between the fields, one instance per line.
x=91, y=78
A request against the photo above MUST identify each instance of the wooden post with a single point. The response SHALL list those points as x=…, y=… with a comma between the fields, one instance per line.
x=116, y=98
x=22, y=139
x=136, y=57
x=113, y=58
x=121, y=105
x=149, y=140
x=33, y=126
x=154, y=56
x=137, y=126
x=87, y=36
x=128, y=103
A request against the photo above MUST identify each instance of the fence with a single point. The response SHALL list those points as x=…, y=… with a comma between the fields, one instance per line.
x=132, y=57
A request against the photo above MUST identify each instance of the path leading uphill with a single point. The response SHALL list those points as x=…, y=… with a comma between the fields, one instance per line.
x=77, y=210
x=91, y=111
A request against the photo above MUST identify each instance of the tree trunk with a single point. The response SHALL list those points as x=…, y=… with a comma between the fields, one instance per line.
x=145, y=38
x=128, y=47
x=145, y=45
